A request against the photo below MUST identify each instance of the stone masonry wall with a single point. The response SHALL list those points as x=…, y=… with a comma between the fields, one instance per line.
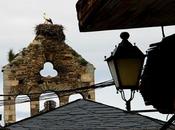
x=22, y=75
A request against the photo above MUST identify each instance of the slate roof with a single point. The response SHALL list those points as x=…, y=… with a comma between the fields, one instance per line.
x=87, y=115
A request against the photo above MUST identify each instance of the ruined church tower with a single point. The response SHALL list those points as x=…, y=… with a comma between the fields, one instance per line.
x=22, y=75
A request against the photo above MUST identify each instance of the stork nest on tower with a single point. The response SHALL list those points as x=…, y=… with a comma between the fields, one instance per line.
x=53, y=31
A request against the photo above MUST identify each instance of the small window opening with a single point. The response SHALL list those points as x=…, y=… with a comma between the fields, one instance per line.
x=48, y=70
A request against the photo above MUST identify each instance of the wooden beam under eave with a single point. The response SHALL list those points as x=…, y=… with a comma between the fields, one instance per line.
x=124, y=14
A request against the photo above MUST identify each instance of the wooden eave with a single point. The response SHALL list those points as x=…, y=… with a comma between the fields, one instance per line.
x=97, y=15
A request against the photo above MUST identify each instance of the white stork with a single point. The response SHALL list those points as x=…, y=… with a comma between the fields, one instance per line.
x=47, y=19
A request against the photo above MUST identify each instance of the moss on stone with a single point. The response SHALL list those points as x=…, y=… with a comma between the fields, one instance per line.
x=74, y=53
x=83, y=62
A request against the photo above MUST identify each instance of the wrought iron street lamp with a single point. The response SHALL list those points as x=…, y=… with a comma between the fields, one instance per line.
x=125, y=64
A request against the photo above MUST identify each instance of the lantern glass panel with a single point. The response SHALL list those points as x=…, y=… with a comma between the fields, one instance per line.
x=113, y=71
x=129, y=72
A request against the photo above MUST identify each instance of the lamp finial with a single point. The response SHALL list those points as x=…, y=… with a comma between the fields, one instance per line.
x=124, y=35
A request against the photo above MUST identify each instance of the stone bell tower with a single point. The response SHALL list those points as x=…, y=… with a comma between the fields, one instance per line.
x=22, y=75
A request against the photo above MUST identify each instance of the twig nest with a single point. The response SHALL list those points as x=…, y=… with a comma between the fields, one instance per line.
x=53, y=31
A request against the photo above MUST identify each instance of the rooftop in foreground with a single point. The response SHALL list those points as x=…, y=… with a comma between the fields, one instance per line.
x=86, y=114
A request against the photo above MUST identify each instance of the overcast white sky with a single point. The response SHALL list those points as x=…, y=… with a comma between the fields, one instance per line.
x=19, y=18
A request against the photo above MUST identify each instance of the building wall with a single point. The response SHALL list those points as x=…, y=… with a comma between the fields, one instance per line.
x=22, y=76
